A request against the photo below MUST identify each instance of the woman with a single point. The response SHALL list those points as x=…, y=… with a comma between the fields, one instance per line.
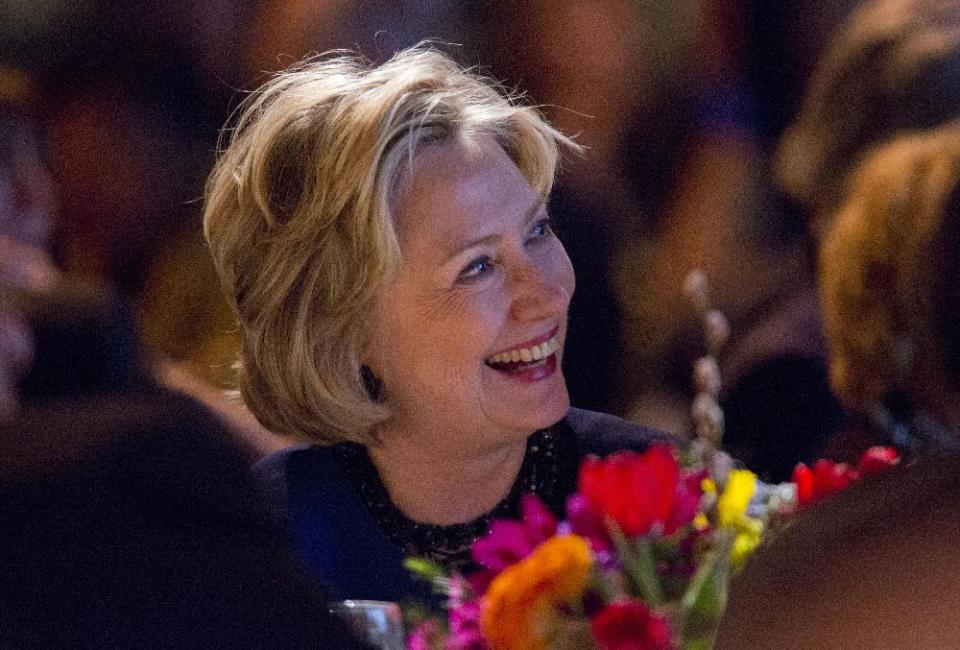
x=402, y=301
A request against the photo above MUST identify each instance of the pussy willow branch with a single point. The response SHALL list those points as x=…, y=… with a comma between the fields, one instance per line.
x=706, y=411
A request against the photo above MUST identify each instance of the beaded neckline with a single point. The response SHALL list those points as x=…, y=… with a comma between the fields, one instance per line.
x=549, y=456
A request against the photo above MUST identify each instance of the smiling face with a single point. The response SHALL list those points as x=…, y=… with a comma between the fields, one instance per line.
x=470, y=330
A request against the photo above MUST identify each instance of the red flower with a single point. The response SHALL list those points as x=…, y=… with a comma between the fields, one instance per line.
x=827, y=477
x=587, y=521
x=640, y=492
x=630, y=625
x=878, y=459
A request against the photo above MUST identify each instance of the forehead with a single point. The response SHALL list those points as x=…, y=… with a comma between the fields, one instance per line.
x=459, y=190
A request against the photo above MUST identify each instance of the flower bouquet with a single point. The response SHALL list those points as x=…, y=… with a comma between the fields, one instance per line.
x=641, y=560
x=644, y=554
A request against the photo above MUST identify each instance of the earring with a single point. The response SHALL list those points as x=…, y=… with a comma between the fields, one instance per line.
x=371, y=383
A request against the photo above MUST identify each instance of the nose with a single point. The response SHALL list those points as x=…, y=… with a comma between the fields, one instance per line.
x=541, y=293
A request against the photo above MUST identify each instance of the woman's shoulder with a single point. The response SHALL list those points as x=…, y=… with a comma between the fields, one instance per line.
x=601, y=434
x=334, y=531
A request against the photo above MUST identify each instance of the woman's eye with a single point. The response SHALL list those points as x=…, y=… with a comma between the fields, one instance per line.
x=541, y=229
x=476, y=269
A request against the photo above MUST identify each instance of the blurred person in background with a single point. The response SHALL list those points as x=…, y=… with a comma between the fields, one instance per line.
x=716, y=209
x=27, y=207
x=889, y=68
x=889, y=271
x=867, y=568
x=128, y=516
x=133, y=99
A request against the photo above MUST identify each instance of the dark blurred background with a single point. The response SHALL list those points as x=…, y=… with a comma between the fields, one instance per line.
x=679, y=103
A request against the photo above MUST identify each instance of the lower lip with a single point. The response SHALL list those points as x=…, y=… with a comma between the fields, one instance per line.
x=530, y=374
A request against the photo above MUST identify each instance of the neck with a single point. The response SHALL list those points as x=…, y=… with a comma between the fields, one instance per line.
x=434, y=485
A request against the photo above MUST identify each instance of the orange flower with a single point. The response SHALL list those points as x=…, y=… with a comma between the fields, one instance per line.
x=519, y=605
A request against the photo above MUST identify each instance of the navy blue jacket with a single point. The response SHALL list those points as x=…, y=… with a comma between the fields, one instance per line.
x=341, y=540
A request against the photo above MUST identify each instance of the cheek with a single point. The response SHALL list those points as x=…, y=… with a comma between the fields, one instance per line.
x=474, y=325
x=445, y=341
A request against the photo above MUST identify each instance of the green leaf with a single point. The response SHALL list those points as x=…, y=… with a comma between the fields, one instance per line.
x=705, y=599
x=639, y=565
x=424, y=568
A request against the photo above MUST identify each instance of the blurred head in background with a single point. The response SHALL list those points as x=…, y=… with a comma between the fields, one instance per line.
x=889, y=272
x=892, y=67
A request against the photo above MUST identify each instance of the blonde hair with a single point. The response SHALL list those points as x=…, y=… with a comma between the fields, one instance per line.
x=299, y=221
x=882, y=278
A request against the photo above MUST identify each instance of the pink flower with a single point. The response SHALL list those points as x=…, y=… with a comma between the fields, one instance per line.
x=465, y=632
x=642, y=493
x=479, y=580
x=630, y=625
x=423, y=635
x=508, y=542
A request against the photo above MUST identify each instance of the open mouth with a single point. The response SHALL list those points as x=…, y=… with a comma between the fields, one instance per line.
x=522, y=359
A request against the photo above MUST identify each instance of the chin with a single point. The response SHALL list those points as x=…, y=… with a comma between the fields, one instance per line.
x=526, y=406
x=547, y=412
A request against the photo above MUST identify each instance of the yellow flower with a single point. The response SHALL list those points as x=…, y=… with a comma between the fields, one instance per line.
x=517, y=609
x=746, y=541
x=708, y=485
x=732, y=504
x=701, y=522
x=732, y=513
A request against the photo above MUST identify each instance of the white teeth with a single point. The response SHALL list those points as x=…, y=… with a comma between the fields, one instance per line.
x=527, y=355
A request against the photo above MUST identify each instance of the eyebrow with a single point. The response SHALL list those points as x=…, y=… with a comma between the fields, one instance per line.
x=460, y=247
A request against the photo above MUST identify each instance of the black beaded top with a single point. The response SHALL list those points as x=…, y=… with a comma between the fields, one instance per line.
x=548, y=471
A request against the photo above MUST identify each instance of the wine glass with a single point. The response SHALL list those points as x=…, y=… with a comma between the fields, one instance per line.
x=376, y=622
